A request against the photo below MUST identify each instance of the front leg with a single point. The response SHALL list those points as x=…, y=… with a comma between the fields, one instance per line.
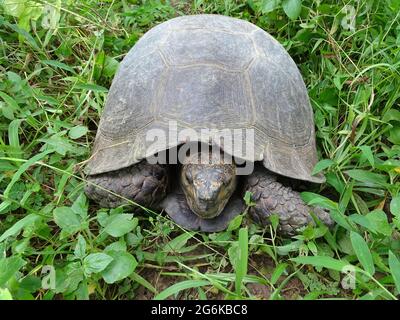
x=271, y=197
x=143, y=183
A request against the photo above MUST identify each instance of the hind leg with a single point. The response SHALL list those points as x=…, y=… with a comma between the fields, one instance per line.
x=143, y=183
x=271, y=197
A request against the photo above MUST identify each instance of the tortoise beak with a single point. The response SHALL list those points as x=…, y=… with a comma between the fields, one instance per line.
x=208, y=201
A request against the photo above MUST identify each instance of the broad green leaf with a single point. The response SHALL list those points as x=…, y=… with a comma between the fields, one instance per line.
x=69, y=277
x=370, y=178
x=67, y=220
x=394, y=265
x=12, y=106
x=31, y=283
x=312, y=246
x=121, y=267
x=178, y=242
x=77, y=132
x=80, y=247
x=58, y=143
x=6, y=111
x=14, y=8
x=82, y=292
x=110, y=66
x=274, y=219
x=292, y=8
x=33, y=10
x=8, y=268
x=315, y=199
x=363, y=253
x=395, y=206
x=247, y=199
x=119, y=224
x=235, y=223
x=51, y=15
x=290, y=247
x=379, y=222
x=116, y=246
x=367, y=153
x=102, y=218
x=335, y=181
x=80, y=206
x=96, y=262
x=394, y=134
x=391, y=115
x=5, y=294
x=177, y=287
x=321, y=165
x=269, y=5
x=362, y=221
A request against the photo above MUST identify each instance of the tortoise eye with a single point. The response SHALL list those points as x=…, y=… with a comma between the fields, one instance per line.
x=227, y=180
x=228, y=176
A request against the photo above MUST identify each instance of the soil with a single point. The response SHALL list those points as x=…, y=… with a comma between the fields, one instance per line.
x=259, y=265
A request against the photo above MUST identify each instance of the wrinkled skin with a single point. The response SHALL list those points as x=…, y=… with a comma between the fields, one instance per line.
x=145, y=184
x=272, y=197
x=208, y=182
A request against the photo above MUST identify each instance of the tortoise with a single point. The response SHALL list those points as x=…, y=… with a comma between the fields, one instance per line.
x=216, y=72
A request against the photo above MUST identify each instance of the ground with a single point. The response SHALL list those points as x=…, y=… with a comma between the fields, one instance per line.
x=57, y=61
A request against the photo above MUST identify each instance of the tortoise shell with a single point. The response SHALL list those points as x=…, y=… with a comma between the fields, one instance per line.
x=208, y=71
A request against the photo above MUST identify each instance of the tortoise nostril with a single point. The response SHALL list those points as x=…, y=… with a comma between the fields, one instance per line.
x=203, y=195
x=208, y=195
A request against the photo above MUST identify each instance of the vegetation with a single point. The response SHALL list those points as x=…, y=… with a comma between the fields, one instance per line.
x=57, y=59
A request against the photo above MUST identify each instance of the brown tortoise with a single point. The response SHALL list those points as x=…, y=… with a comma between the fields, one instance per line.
x=207, y=71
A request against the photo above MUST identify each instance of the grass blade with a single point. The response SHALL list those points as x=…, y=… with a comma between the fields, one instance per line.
x=279, y=270
x=241, y=267
x=177, y=287
x=13, y=137
x=322, y=261
x=19, y=225
x=57, y=64
x=142, y=281
x=394, y=265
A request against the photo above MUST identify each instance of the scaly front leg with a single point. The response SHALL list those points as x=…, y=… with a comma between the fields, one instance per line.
x=144, y=183
x=271, y=197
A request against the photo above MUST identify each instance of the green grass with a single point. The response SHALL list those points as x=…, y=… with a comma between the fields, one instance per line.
x=56, y=63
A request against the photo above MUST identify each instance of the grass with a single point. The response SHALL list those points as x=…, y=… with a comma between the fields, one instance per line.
x=57, y=60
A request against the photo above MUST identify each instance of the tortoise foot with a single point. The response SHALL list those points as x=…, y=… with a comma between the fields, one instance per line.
x=143, y=183
x=271, y=197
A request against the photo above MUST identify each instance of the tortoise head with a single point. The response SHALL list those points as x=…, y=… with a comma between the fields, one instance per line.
x=207, y=182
